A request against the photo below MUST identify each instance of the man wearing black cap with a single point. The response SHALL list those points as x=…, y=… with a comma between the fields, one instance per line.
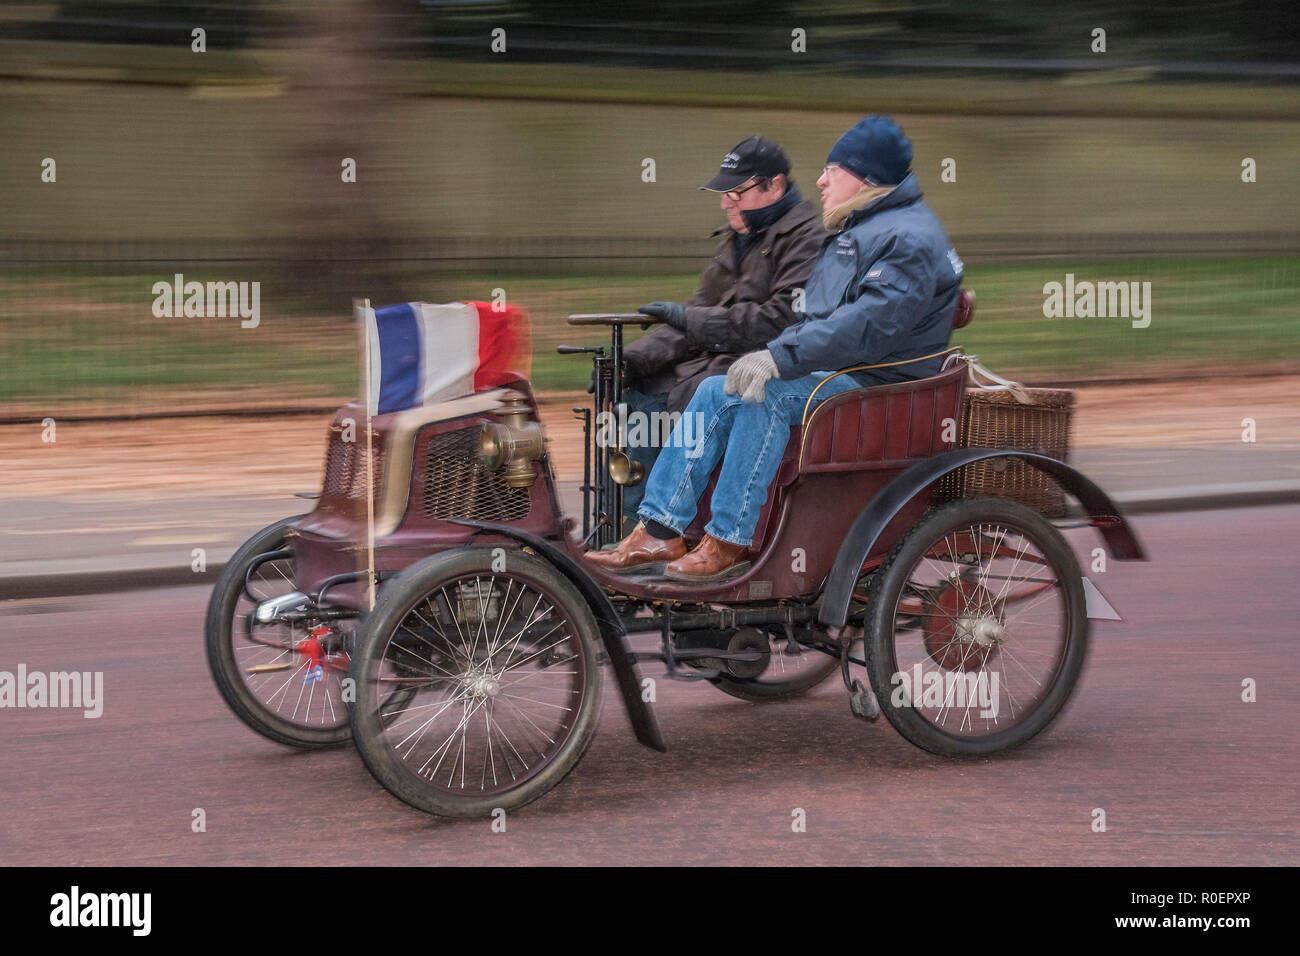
x=746, y=295
x=882, y=294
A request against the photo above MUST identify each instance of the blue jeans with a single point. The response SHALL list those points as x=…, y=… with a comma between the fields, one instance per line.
x=749, y=437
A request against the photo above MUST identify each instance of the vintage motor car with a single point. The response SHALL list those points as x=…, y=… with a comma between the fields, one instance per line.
x=435, y=607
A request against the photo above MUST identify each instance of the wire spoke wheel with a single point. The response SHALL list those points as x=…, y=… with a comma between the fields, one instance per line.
x=500, y=668
x=284, y=680
x=977, y=627
x=294, y=671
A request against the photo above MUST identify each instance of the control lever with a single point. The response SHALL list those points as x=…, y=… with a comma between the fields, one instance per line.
x=580, y=349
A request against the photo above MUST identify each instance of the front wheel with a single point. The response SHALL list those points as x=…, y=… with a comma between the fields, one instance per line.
x=497, y=651
x=283, y=680
x=976, y=628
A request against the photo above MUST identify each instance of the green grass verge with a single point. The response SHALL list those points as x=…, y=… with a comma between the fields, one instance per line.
x=92, y=339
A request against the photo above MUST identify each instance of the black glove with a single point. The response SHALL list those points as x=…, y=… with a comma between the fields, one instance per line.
x=673, y=313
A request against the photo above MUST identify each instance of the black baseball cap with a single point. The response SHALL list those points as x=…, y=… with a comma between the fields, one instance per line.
x=754, y=157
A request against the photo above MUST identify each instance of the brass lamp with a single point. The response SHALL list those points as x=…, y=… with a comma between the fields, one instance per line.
x=513, y=444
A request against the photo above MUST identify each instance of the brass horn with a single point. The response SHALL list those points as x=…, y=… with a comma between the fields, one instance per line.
x=624, y=470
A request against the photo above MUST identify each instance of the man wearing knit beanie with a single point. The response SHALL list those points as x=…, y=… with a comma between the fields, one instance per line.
x=870, y=159
x=883, y=292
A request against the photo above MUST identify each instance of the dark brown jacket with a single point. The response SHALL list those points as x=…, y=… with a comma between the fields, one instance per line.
x=740, y=307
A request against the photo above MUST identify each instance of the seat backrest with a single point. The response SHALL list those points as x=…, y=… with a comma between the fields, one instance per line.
x=873, y=427
x=882, y=425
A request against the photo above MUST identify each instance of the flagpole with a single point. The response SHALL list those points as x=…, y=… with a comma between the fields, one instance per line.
x=370, y=469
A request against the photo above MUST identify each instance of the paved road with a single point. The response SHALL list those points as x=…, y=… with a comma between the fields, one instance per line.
x=1156, y=735
x=66, y=536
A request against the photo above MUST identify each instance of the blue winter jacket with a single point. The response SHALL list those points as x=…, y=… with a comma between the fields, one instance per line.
x=884, y=289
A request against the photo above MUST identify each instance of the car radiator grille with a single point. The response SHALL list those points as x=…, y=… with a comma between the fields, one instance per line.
x=345, y=468
x=456, y=485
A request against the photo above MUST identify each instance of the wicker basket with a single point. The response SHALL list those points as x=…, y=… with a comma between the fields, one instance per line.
x=992, y=418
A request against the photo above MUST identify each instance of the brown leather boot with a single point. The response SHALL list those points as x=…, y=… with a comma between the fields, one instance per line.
x=639, y=553
x=712, y=560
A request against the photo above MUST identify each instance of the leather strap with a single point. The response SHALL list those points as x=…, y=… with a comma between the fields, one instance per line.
x=978, y=371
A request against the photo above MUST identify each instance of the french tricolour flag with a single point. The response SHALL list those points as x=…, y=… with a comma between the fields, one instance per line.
x=421, y=353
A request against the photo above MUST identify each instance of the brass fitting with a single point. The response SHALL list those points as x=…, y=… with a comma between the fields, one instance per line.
x=513, y=444
x=624, y=470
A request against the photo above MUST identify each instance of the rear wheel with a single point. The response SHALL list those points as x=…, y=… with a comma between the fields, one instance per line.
x=283, y=680
x=976, y=628
x=500, y=660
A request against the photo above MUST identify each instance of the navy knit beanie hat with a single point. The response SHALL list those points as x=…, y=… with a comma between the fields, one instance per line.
x=875, y=149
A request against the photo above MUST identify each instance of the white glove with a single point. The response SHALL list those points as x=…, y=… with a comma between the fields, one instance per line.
x=748, y=376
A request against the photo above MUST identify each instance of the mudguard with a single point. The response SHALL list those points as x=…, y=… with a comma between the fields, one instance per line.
x=612, y=633
x=861, y=538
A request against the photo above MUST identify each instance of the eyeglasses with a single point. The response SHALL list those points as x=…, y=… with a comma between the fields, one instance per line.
x=735, y=194
x=829, y=166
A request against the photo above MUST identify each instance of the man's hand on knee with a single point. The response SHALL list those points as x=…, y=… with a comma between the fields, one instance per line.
x=749, y=375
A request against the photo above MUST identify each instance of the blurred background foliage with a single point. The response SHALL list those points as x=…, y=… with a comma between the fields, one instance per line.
x=522, y=170
x=694, y=33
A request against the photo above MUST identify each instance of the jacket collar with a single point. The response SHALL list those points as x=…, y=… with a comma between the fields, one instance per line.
x=793, y=219
x=796, y=217
x=758, y=220
x=904, y=194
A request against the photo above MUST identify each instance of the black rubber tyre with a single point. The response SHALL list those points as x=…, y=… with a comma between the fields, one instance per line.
x=943, y=619
x=444, y=628
x=785, y=676
x=226, y=637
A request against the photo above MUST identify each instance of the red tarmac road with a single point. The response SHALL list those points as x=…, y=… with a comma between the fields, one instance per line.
x=1157, y=735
